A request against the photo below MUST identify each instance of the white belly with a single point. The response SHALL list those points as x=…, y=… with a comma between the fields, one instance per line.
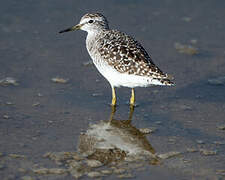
x=117, y=79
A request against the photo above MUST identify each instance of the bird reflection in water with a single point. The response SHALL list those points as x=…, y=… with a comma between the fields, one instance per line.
x=116, y=141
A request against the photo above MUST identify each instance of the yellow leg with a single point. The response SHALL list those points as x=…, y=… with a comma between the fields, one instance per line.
x=113, y=96
x=131, y=112
x=132, y=98
x=113, y=111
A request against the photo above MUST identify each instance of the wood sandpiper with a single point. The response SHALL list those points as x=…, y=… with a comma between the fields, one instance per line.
x=119, y=57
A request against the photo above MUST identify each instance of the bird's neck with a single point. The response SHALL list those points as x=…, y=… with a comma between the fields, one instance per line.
x=91, y=39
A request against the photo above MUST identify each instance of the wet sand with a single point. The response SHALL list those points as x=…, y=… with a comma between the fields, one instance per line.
x=39, y=116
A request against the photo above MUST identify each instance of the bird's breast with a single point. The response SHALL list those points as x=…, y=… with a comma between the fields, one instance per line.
x=92, y=44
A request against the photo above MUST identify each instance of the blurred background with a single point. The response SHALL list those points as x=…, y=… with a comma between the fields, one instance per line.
x=50, y=92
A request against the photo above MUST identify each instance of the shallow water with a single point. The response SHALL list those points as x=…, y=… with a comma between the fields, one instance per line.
x=38, y=115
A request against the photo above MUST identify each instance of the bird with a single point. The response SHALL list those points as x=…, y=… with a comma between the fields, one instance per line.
x=119, y=57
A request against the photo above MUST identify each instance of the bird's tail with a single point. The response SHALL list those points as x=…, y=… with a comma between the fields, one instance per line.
x=167, y=80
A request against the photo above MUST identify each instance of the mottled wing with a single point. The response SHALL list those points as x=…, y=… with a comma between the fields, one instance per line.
x=128, y=56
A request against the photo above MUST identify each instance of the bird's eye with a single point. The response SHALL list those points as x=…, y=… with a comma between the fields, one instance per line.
x=90, y=21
